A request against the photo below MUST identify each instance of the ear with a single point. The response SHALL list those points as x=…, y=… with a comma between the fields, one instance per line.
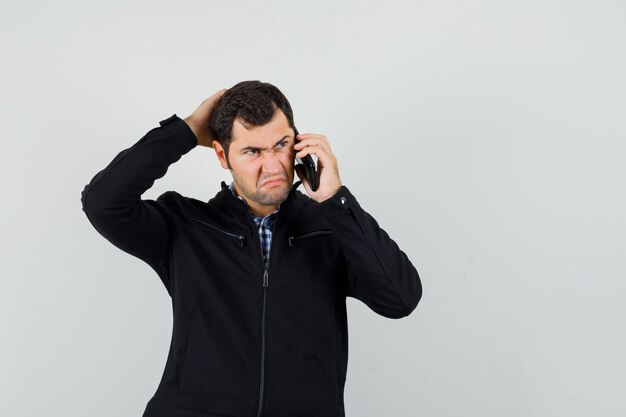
x=219, y=151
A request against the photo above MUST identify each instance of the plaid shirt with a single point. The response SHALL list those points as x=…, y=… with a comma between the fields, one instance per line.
x=265, y=228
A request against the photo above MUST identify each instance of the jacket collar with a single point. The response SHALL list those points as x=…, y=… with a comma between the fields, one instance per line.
x=227, y=201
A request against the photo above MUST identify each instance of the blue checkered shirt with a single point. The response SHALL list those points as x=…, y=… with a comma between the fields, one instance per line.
x=265, y=228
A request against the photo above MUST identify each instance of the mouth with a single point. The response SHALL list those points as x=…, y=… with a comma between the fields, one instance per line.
x=273, y=182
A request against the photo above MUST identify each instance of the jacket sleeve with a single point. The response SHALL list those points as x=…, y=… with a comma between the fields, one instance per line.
x=378, y=272
x=112, y=200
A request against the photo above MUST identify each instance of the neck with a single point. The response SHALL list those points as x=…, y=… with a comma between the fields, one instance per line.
x=260, y=209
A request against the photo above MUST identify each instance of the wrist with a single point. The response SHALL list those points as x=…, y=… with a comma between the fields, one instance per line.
x=192, y=126
x=330, y=195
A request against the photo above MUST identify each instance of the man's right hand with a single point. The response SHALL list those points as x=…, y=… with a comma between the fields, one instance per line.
x=198, y=121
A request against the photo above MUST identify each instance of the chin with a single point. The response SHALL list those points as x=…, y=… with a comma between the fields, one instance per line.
x=276, y=194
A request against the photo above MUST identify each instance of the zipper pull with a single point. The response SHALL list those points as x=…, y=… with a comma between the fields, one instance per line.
x=265, y=279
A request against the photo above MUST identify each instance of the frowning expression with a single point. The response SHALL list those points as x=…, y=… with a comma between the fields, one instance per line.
x=261, y=162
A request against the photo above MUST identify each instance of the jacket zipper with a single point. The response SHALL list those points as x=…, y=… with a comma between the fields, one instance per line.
x=315, y=233
x=265, y=287
x=240, y=238
x=265, y=284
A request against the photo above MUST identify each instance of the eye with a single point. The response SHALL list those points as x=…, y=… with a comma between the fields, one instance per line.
x=283, y=144
x=250, y=151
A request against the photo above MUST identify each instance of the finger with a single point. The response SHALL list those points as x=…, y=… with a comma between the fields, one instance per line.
x=322, y=156
x=303, y=136
x=301, y=175
x=215, y=97
x=311, y=135
x=311, y=143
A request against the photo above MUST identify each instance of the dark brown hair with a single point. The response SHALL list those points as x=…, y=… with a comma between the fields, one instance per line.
x=253, y=103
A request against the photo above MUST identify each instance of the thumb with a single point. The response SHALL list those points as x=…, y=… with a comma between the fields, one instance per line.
x=299, y=171
x=301, y=174
x=221, y=92
x=212, y=101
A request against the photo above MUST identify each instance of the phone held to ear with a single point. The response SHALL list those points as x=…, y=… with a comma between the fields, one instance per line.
x=311, y=172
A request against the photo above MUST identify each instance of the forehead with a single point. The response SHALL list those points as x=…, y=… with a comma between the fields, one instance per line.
x=261, y=136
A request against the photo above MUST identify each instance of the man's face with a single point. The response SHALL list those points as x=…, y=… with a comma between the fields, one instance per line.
x=261, y=162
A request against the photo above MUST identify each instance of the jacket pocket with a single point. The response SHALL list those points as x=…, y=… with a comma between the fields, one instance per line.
x=180, y=342
x=239, y=238
x=293, y=240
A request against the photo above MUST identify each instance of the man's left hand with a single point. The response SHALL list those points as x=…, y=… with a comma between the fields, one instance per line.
x=330, y=183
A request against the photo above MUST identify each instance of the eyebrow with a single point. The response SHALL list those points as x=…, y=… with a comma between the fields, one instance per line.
x=253, y=148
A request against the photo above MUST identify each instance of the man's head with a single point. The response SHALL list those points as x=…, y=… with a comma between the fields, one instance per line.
x=254, y=128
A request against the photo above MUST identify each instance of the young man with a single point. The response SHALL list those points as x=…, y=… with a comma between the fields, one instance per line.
x=253, y=334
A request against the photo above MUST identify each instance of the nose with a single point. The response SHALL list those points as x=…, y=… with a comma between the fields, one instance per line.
x=271, y=163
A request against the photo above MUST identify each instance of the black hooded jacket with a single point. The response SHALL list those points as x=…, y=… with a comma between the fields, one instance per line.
x=248, y=342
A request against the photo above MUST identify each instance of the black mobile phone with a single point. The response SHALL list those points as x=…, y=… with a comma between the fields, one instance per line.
x=311, y=172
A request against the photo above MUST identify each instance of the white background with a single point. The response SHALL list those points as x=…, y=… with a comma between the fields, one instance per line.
x=486, y=137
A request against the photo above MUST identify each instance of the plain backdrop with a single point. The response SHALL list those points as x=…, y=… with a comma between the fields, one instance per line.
x=486, y=137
